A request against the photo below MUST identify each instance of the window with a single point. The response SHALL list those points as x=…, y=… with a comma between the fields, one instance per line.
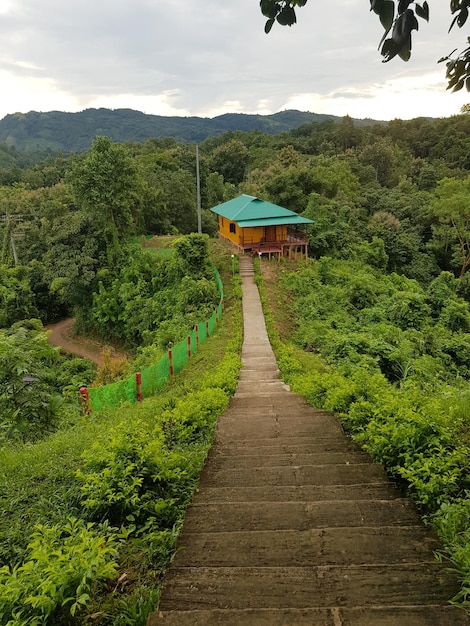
x=233, y=228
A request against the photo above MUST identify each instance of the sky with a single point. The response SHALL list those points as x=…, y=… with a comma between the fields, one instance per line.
x=209, y=57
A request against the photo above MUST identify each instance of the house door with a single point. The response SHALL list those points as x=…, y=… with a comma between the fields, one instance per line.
x=270, y=233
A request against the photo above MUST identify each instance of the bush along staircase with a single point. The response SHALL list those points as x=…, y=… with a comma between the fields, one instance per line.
x=293, y=525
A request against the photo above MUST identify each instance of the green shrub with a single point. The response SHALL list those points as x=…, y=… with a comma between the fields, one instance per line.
x=193, y=417
x=225, y=376
x=436, y=476
x=455, y=316
x=130, y=472
x=63, y=568
x=408, y=309
x=441, y=290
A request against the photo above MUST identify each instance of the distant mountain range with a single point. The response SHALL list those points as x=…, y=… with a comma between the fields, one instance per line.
x=74, y=132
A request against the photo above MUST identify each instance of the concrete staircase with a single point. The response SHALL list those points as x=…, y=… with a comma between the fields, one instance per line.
x=292, y=525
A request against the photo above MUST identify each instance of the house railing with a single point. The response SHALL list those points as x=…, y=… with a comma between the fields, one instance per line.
x=297, y=236
x=294, y=236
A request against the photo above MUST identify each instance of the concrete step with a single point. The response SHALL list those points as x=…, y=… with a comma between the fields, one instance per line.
x=260, y=352
x=381, y=490
x=280, y=446
x=263, y=407
x=221, y=461
x=357, y=616
x=289, y=443
x=327, y=546
x=265, y=374
x=258, y=398
x=242, y=429
x=290, y=476
x=303, y=587
x=268, y=515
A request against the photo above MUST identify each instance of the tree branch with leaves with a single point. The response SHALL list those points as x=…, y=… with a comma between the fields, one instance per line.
x=399, y=19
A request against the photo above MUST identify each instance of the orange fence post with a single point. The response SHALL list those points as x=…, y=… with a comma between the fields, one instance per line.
x=189, y=346
x=207, y=328
x=197, y=334
x=138, y=381
x=85, y=399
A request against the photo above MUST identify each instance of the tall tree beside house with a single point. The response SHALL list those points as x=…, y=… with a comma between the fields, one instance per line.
x=106, y=186
x=231, y=160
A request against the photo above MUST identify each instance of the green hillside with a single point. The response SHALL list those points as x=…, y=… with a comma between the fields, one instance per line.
x=74, y=132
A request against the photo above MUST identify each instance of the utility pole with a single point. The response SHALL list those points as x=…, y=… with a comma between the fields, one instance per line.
x=13, y=248
x=198, y=187
x=10, y=222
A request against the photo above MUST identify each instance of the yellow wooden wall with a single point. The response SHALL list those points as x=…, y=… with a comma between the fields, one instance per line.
x=247, y=236
x=224, y=230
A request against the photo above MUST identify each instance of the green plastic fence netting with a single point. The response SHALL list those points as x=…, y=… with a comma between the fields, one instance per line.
x=155, y=376
x=113, y=395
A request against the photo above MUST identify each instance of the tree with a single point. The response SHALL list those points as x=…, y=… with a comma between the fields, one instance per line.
x=106, y=186
x=386, y=158
x=449, y=211
x=73, y=258
x=29, y=405
x=399, y=19
x=231, y=160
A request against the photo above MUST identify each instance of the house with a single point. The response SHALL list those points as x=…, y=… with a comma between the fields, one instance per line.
x=262, y=228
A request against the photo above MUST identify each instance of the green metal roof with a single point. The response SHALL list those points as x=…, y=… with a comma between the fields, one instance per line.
x=275, y=221
x=246, y=210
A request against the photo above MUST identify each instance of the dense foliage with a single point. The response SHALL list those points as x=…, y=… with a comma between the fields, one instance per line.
x=389, y=357
x=91, y=513
x=38, y=385
x=155, y=300
x=38, y=134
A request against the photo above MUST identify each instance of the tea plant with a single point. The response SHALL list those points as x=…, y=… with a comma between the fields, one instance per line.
x=64, y=567
x=391, y=360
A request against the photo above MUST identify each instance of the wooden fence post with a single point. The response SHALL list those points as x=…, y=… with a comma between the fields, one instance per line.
x=170, y=356
x=85, y=399
x=138, y=382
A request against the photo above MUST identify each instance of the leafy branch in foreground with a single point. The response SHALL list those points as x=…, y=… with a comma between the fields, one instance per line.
x=399, y=19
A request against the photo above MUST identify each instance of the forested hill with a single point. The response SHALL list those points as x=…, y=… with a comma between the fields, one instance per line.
x=74, y=132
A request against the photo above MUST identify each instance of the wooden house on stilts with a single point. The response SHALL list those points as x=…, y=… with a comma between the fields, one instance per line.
x=263, y=228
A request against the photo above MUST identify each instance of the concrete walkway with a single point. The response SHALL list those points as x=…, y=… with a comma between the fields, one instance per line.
x=292, y=525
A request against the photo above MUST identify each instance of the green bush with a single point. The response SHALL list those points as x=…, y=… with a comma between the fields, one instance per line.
x=63, y=568
x=455, y=316
x=452, y=523
x=392, y=361
x=128, y=472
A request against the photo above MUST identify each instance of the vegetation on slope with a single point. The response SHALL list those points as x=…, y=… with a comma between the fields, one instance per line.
x=91, y=513
x=74, y=132
x=391, y=360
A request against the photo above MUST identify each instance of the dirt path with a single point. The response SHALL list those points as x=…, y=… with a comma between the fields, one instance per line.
x=293, y=525
x=62, y=336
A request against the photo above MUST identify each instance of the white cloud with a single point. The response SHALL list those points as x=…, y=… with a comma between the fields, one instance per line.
x=404, y=98
x=33, y=94
x=188, y=57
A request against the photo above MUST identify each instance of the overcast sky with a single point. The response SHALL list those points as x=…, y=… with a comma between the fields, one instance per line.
x=208, y=57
